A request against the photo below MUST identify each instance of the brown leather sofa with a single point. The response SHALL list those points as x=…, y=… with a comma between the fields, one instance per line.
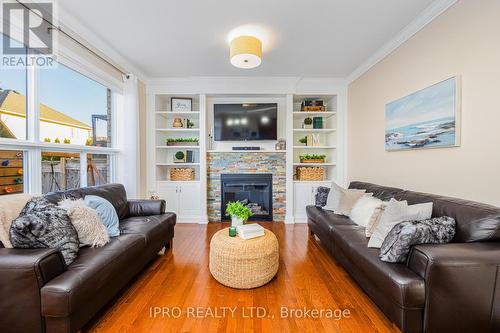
x=38, y=293
x=451, y=287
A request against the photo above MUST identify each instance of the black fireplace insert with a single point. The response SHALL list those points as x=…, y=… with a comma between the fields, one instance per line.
x=253, y=190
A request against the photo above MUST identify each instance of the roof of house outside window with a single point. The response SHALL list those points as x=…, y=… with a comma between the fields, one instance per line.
x=14, y=103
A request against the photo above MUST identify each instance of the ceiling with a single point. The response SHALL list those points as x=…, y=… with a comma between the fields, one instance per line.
x=307, y=38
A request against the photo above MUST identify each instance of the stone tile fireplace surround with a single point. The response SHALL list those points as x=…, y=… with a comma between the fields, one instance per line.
x=245, y=162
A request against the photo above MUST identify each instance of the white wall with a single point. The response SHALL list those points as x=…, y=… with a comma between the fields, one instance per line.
x=462, y=41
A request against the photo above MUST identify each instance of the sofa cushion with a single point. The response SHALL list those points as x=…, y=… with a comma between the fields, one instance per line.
x=114, y=193
x=87, y=223
x=10, y=207
x=396, y=282
x=95, y=276
x=326, y=219
x=474, y=221
x=106, y=212
x=396, y=212
x=42, y=224
x=150, y=227
x=404, y=235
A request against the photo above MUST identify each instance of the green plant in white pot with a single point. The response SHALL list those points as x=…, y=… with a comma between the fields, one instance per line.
x=239, y=213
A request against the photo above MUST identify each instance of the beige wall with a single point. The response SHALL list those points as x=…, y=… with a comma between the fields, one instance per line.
x=465, y=41
x=142, y=140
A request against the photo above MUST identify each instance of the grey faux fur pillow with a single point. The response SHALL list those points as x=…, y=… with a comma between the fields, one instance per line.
x=321, y=196
x=404, y=235
x=42, y=224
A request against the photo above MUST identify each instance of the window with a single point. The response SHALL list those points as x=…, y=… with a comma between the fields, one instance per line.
x=11, y=172
x=60, y=171
x=70, y=145
x=73, y=108
x=98, y=169
x=13, y=101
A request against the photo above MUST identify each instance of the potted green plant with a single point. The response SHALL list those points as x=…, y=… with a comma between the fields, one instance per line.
x=308, y=122
x=46, y=140
x=57, y=140
x=179, y=157
x=313, y=158
x=67, y=141
x=239, y=213
x=303, y=140
x=182, y=141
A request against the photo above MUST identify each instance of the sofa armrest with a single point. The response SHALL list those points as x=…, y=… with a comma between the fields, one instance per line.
x=460, y=281
x=146, y=207
x=22, y=273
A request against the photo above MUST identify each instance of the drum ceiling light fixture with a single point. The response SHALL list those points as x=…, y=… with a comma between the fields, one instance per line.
x=246, y=52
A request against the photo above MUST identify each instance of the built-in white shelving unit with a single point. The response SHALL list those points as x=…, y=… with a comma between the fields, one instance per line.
x=182, y=197
x=304, y=191
x=189, y=198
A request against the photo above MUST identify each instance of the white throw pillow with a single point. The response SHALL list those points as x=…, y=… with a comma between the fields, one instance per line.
x=396, y=212
x=363, y=210
x=335, y=195
x=89, y=227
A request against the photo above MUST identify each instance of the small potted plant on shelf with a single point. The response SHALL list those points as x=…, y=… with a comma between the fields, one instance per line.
x=182, y=141
x=312, y=158
x=239, y=213
x=308, y=122
x=179, y=157
x=303, y=140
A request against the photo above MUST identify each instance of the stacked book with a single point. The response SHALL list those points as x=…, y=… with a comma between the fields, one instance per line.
x=248, y=231
x=312, y=105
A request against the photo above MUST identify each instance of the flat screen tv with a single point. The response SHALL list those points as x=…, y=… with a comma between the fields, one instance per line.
x=245, y=122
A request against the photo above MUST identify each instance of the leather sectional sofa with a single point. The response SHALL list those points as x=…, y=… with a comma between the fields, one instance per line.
x=38, y=293
x=451, y=287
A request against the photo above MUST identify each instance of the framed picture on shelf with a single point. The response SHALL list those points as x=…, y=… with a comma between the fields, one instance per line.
x=181, y=104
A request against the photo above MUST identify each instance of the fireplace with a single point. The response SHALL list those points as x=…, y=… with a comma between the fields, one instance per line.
x=253, y=190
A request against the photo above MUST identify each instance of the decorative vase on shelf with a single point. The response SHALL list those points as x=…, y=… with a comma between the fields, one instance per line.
x=177, y=122
x=236, y=221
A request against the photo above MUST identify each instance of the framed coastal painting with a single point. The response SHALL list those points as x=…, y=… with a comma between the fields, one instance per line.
x=428, y=118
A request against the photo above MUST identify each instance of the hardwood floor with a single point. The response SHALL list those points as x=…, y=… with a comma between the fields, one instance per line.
x=180, y=283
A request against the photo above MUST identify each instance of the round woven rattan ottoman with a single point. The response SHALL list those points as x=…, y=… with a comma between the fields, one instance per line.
x=243, y=264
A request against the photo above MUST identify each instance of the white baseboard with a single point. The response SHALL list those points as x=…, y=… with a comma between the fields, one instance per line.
x=301, y=219
x=192, y=219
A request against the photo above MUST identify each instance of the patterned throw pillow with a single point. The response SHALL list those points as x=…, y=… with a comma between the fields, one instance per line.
x=404, y=235
x=374, y=219
x=321, y=196
x=42, y=224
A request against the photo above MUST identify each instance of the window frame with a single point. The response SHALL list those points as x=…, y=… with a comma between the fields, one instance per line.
x=33, y=146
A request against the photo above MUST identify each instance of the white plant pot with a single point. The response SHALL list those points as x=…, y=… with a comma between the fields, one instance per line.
x=236, y=221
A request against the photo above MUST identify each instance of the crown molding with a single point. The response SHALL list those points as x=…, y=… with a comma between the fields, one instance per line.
x=422, y=20
x=246, y=85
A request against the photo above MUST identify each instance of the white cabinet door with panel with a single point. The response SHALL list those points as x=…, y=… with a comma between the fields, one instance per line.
x=189, y=200
x=169, y=193
x=183, y=198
